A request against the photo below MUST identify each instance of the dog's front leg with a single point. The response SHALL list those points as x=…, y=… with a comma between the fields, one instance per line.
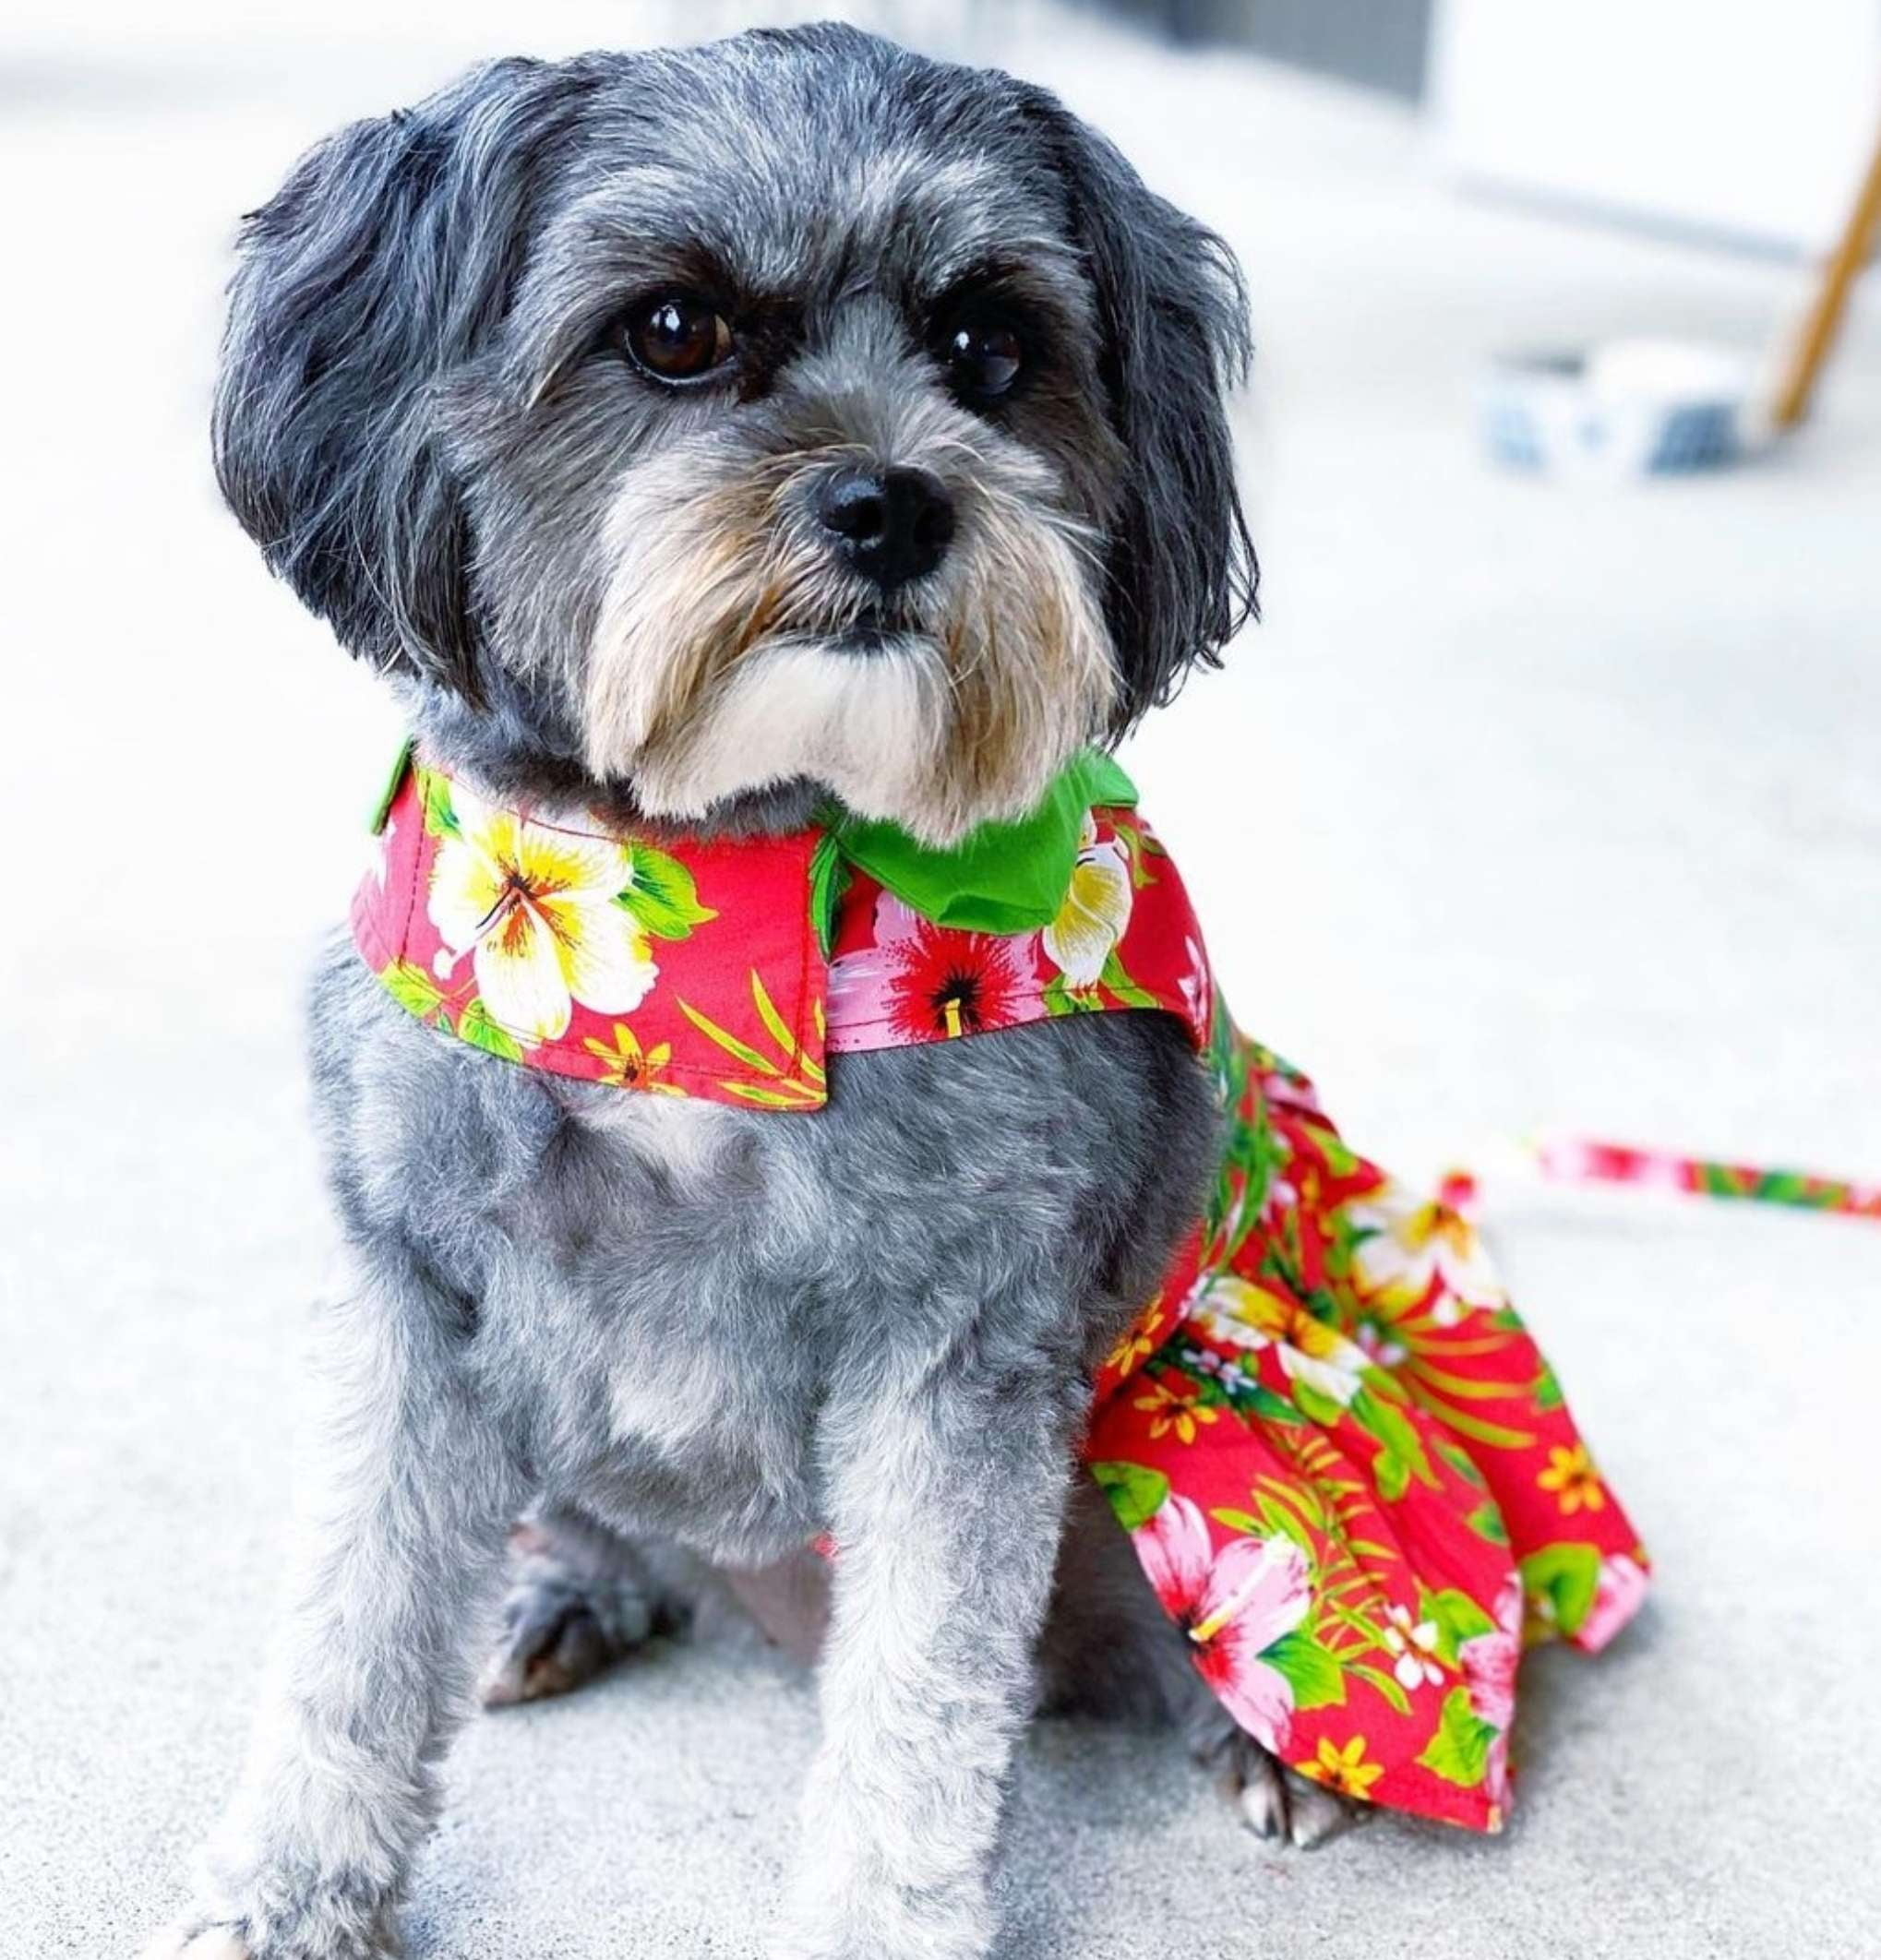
x=404, y=1515
x=946, y=1506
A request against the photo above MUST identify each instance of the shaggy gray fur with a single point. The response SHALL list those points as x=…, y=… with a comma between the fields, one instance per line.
x=668, y=1320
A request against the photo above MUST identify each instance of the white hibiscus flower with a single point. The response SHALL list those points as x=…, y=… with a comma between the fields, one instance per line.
x=536, y=910
x=1407, y=1243
x=1095, y=911
x=1234, y=1311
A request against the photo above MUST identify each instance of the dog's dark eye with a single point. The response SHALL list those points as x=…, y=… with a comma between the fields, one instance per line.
x=985, y=352
x=679, y=338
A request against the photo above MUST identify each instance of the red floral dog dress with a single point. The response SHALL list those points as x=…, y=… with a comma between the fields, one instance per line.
x=1346, y=1469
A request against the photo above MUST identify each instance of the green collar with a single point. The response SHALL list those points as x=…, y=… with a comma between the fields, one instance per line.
x=1002, y=876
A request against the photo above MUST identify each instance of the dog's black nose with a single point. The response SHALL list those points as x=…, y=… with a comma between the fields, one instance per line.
x=890, y=525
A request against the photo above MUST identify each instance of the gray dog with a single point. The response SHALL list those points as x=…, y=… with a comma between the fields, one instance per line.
x=692, y=438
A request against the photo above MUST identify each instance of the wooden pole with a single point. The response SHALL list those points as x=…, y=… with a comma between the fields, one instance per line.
x=1817, y=334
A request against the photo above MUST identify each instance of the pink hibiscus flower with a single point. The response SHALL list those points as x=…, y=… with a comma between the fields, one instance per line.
x=927, y=983
x=1233, y=1606
x=1490, y=1662
x=1617, y=1596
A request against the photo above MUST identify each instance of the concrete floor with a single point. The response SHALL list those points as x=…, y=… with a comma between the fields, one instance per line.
x=1526, y=807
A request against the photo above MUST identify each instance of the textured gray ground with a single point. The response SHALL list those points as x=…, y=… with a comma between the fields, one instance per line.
x=1525, y=807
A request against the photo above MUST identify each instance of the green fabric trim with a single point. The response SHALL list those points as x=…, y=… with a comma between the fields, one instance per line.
x=389, y=794
x=1004, y=876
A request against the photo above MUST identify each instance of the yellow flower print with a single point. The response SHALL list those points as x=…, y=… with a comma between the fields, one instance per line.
x=1137, y=1341
x=1181, y=1412
x=630, y=1067
x=1095, y=913
x=1343, y=1771
x=1572, y=1476
x=534, y=908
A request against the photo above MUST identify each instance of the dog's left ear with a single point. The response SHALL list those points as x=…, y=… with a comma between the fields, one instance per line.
x=1172, y=313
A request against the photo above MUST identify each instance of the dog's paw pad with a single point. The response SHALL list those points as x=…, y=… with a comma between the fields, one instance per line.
x=214, y=1942
x=556, y=1636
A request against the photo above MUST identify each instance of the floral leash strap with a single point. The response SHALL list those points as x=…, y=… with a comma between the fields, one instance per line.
x=1346, y=1467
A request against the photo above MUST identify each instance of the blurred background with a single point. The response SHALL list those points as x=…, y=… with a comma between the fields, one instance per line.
x=1542, y=799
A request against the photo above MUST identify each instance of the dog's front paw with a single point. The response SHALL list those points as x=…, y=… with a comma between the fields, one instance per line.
x=884, y=1925
x=1279, y=1804
x=315, y=1929
x=191, y=1940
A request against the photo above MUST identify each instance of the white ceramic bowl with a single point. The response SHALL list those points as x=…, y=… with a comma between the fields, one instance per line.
x=1625, y=409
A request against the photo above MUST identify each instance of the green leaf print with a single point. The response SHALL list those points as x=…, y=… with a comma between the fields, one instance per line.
x=1258, y=1399
x=829, y=880
x=1316, y=1405
x=796, y=1082
x=412, y=987
x=1122, y=986
x=1275, y=1521
x=1486, y=1522
x=1390, y=1473
x=1546, y=1390
x=1377, y=1678
x=1312, y=1671
x=477, y=1027
x=1393, y=1430
x=1340, y=1160
x=661, y=895
x=1459, y=1750
x=1456, y=1618
x=1136, y=1493
x=441, y=819
x=1137, y=848
x=1561, y=1580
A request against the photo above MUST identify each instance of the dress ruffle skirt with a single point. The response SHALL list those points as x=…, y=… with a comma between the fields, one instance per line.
x=1348, y=1470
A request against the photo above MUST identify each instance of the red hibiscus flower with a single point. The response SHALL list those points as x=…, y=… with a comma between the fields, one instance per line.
x=929, y=983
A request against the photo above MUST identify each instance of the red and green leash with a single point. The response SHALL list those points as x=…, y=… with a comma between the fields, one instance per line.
x=1582, y=1160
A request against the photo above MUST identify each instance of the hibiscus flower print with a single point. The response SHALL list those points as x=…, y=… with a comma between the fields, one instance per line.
x=534, y=909
x=1095, y=911
x=1489, y=1662
x=1405, y=1244
x=1233, y=1606
x=1197, y=987
x=1621, y=1587
x=1235, y=1311
x=926, y=983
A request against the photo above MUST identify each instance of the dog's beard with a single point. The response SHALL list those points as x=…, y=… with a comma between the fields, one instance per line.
x=730, y=653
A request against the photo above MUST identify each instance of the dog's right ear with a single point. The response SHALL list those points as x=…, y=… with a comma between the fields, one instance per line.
x=384, y=261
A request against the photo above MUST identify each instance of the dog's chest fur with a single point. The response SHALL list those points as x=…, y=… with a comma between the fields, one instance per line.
x=669, y=1301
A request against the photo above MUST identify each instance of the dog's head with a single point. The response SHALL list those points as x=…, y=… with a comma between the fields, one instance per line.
x=793, y=407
